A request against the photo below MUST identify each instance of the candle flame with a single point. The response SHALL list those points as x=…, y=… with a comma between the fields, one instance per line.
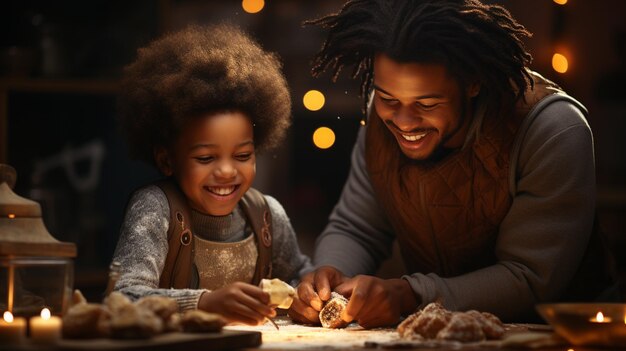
x=8, y=317
x=45, y=314
x=600, y=317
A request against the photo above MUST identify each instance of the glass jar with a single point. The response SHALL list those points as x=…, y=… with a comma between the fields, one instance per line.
x=36, y=270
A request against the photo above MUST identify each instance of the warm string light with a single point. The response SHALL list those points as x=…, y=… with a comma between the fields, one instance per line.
x=560, y=2
x=560, y=63
x=323, y=137
x=313, y=100
x=252, y=6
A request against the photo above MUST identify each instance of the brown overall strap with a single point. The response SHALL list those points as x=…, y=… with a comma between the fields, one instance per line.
x=259, y=216
x=179, y=261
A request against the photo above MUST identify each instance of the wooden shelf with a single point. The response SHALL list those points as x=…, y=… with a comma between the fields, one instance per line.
x=41, y=85
x=74, y=86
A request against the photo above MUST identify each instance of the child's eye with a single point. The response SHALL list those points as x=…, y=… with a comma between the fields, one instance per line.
x=205, y=159
x=426, y=107
x=243, y=157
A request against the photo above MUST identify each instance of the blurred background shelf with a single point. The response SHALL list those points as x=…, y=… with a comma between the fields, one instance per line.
x=46, y=85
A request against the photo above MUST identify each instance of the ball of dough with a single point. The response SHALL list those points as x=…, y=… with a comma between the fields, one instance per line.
x=281, y=293
x=198, y=321
x=330, y=315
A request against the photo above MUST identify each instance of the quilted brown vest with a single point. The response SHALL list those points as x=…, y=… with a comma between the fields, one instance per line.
x=446, y=214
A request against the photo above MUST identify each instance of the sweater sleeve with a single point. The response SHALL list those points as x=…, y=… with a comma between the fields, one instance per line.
x=288, y=262
x=543, y=238
x=142, y=249
x=358, y=236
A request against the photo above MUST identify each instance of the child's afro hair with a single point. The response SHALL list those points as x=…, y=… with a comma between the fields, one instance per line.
x=196, y=71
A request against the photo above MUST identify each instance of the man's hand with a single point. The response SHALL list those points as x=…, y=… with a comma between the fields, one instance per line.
x=313, y=290
x=376, y=302
x=238, y=302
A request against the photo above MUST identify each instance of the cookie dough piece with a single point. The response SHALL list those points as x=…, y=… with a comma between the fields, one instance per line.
x=330, y=315
x=85, y=321
x=129, y=321
x=425, y=323
x=430, y=323
x=78, y=298
x=172, y=324
x=198, y=321
x=281, y=293
x=115, y=301
x=462, y=327
x=162, y=306
x=492, y=326
x=405, y=328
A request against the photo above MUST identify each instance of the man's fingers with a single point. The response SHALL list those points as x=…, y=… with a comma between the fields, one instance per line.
x=303, y=313
x=307, y=294
x=346, y=288
x=322, y=284
x=357, y=301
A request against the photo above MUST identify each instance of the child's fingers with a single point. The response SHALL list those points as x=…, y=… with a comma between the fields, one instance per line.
x=256, y=293
x=245, y=314
x=242, y=314
x=251, y=298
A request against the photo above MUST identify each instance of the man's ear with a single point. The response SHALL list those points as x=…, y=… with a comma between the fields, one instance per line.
x=473, y=89
x=163, y=161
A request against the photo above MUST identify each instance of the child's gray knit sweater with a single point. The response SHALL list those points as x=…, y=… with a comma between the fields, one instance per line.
x=143, y=245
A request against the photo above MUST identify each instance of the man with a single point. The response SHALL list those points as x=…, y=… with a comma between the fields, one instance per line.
x=481, y=169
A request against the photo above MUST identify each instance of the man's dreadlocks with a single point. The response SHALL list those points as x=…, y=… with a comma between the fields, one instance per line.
x=476, y=42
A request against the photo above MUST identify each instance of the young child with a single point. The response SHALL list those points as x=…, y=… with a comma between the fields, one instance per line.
x=198, y=104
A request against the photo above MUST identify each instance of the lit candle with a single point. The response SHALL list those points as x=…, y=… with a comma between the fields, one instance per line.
x=45, y=329
x=600, y=318
x=12, y=329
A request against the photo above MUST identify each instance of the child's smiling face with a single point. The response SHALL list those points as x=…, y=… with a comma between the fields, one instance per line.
x=213, y=161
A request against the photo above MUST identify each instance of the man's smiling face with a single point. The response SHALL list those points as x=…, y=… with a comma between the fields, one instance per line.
x=422, y=106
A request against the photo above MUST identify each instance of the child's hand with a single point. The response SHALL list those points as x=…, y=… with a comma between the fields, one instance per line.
x=238, y=302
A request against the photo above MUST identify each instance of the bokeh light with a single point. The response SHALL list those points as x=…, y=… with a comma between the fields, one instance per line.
x=561, y=2
x=252, y=6
x=313, y=100
x=323, y=137
x=560, y=63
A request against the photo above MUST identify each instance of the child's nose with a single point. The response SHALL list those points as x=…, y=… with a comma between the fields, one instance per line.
x=226, y=170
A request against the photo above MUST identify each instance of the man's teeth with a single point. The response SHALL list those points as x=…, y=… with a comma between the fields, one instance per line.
x=413, y=137
x=222, y=191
